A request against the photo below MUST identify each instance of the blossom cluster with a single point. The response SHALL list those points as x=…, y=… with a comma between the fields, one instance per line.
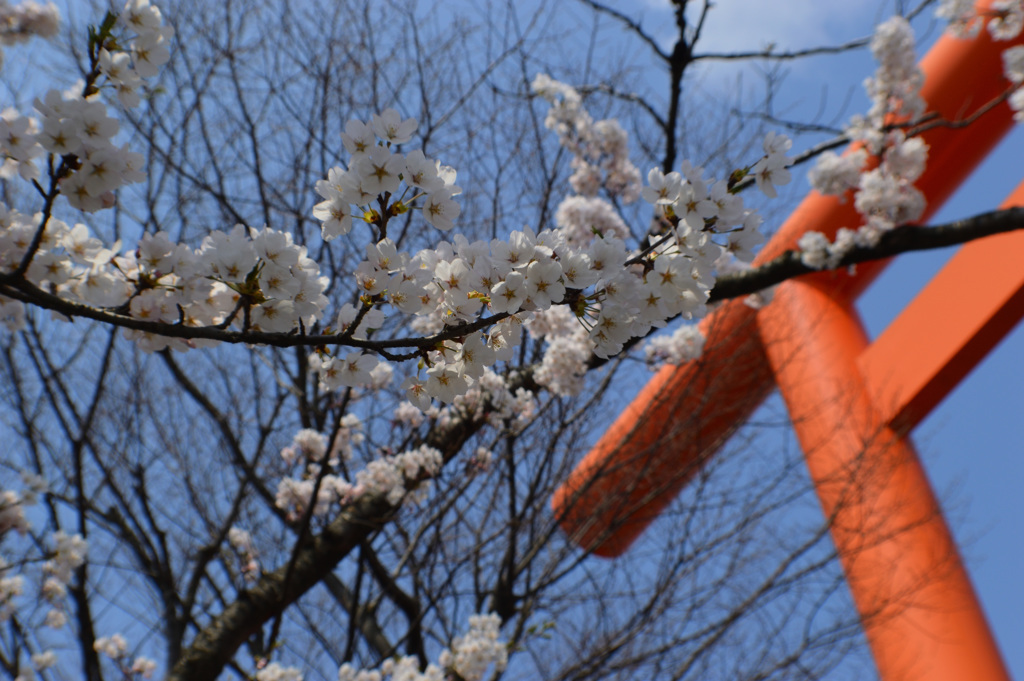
x=885, y=195
x=564, y=363
x=1004, y=19
x=401, y=478
x=12, y=518
x=68, y=553
x=600, y=149
x=490, y=399
x=682, y=345
x=613, y=294
x=261, y=273
x=895, y=88
x=77, y=134
x=11, y=586
x=79, y=127
x=12, y=505
x=19, y=147
x=375, y=175
x=20, y=22
x=397, y=478
x=582, y=218
x=468, y=659
x=275, y=671
x=115, y=647
x=1013, y=69
x=700, y=210
x=76, y=126
x=260, y=280
x=241, y=542
x=310, y=447
x=473, y=654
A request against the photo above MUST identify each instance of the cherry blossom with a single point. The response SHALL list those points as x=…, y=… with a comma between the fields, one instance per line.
x=390, y=127
x=20, y=22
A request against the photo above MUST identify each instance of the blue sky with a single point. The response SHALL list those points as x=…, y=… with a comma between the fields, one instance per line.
x=972, y=443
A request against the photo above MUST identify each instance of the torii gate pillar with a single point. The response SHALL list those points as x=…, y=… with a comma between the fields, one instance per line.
x=921, y=616
x=852, y=403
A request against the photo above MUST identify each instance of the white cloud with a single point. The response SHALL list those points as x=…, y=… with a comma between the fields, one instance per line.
x=789, y=24
x=734, y=25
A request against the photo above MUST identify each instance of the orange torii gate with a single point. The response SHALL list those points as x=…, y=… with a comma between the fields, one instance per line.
x=852, y=402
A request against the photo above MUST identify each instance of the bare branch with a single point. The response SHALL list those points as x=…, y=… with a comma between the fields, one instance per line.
x=900, y=240
x=631, y=24
x=904, y=239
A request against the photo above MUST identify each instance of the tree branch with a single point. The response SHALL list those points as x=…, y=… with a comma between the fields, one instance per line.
x=903, y=239
x=770, y=53
x=216, y=644
x=630, y=24
x=900, y=240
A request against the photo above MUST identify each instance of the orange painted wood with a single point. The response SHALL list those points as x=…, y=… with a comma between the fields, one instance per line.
x=963, y=312
x=629, y=477
x=921, y=616
x=686, y=413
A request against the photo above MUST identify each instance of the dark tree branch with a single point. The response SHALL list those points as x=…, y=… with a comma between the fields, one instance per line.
x=631, y=24
x=215, y=645
x=900, y=240
x=631, y=97
x=904, y=239
x=677, y=62
x=27, y=292
x=770, y=53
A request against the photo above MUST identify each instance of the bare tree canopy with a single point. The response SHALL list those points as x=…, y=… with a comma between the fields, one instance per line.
x=312, y=306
